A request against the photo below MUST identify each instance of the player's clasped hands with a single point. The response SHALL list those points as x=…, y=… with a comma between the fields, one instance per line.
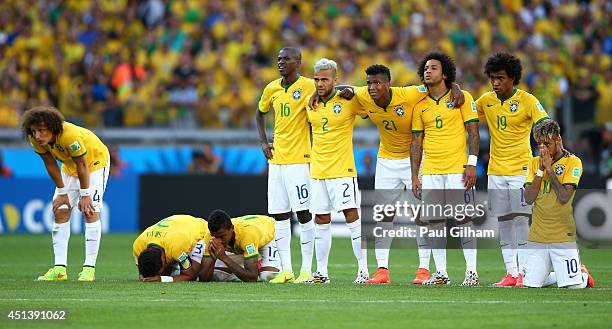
x=545, y=158
x=217, y=249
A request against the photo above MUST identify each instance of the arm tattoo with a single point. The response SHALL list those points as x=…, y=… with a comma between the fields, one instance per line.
x=473, y=138
x=416, y=152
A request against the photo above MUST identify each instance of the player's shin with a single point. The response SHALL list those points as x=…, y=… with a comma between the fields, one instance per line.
x=323, y=242
x=282, y=236
x=60, y=237
x=438, y=246
x=521, y=225
x=469, y=245
x=93, y=233
x=424, y=246
x=307, y=234
x=360, y=254
x=382, y=245
x=508, y=243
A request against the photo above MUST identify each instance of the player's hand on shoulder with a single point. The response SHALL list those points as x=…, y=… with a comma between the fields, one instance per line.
x=347, y=93
x=457, y=96
x=313, y=101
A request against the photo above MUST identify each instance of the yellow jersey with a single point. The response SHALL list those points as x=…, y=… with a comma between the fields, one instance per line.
x=332, y=124
x=291, y=130
x=75, y=142
x=177, y=235
x=444, y=127
x=510, y=123
x=251, y=233
x=551, y=220
x=394, y=122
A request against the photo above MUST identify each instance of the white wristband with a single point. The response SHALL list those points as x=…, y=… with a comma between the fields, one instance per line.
x=539, y=173
x=84, y=192
x=62, y=191
x=167, y=278
x=472, y=160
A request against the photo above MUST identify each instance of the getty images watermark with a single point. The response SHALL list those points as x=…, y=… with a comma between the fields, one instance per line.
x=426, y=214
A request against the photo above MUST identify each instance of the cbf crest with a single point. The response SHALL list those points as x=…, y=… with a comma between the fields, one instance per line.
x=450, y=104
x=559, y=170
x=399, y=111
x=514, y=107
x=337, y=108
x=297, y=94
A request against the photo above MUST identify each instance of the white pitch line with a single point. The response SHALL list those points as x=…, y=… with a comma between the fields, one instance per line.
x=251, y=300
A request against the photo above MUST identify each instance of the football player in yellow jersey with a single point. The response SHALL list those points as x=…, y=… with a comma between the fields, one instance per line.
x=447, y=169
x=175, y=242
x=333, y=181
x=289, y=158
x=81, y=182
x=509, y=113
x=551, y=183
x=251, y=237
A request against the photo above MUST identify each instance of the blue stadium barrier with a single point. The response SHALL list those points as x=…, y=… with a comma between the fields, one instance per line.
x=25, y=206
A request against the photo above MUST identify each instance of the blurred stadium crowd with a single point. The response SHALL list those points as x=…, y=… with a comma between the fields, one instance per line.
x=204, y=63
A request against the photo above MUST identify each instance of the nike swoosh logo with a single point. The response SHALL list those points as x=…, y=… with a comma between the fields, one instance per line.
x=303, y=243
x=90, y=240
x=276, y=240
x=573, y=276
x=423, y=110
x=359, y=237
x=345, y=202
x=489, y=105
x=371, y=111
x=303, y=202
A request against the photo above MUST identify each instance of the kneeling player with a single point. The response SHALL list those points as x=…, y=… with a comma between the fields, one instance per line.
x=250, y=236
x=550, y=186
x=171, y=250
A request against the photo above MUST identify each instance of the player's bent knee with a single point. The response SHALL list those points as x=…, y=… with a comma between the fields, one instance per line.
x=61, y=215
x=323, y=219
x=304, y=216
x=92, y=218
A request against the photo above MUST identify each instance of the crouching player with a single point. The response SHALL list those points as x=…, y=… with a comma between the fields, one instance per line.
x=171, y=250
x=251, y=236
x=550, y=185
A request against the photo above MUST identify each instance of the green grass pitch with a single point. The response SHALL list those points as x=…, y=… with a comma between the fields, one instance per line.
x=118, y=300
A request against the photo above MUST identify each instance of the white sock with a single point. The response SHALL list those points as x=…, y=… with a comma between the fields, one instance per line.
x=424, y=247
x=469, y=245
x=521, y=225
x=507, y=241
x=585, y=280
x=438, y=246
x=550, y=280
x=60, y=237
x=323, y=243
x=382, y=245
x=282, y=236
x=360, y=254
x=93, y=233
x=307, y=235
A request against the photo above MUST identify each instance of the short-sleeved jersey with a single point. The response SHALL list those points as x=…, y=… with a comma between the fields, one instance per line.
x=176, y=234
x=291, y=130
x=251, y=233
x=332, y=124
x=444, y=127
x=394, y=122
x=75, y=142
x=510, y=123
x=551, y=220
